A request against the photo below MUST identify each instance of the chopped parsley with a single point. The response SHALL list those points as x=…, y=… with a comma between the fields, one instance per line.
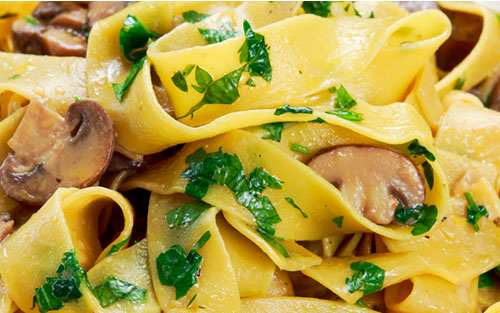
x=203, y=78
x=192, y=300
x=255, y=56
x=221, y=168
x=15, y=76
x=292, y=203
x=111, y=290
x=485, y=280
x=459, y=83
x=65, y=287
x=429, y=174
x=474, y=212
x=320, y=8
x=416, y=148
x=422, y=218
x=347, y=115
x=85, y=99
x=180, y=81
x=274, y=130
x=180, y=269
x=346, y=8
x=338, y=220
x=318, y=120
x=332, y=89
x=360, y=303
x=372, y=15
x=273, y=241
x=194, y=17
x=118, y=246
x=134, y=40
x=250, y=82
x=7, y=15
x=218, y=35
x=367, y=277
x=344, y=100
x=186, y=213
x=290, y=109
x=299, y=148
x=30, y=20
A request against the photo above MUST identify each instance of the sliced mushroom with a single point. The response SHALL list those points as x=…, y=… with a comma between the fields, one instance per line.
x=62, y=43
x=99, y=10
x=73, y=19
x=374, y=180
x=27, y=37
x=52, y=152
x=6, y=226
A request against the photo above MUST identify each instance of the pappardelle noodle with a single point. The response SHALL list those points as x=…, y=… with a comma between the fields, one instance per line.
x=249, y=157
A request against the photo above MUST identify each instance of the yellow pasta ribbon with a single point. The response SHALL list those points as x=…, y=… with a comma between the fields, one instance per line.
x=18, y=10
x=292, y=305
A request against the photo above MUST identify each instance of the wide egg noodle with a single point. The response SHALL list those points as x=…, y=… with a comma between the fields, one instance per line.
x=217, y=287
x=482, y=59
x=54, y=80
x=144, y=127
x=130, y=265
x=296, y=304
x=68, y=220
x=431, y=294
x=301, y=182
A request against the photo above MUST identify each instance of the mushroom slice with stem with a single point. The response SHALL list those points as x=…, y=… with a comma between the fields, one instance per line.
x=52, y=152
x=374, y=180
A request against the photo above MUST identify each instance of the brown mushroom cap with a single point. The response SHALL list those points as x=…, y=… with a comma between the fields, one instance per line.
x=375, y=180
x=52, y=152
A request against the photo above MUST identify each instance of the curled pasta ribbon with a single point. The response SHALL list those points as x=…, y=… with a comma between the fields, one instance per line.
x=439, y=294
x=68, y=220
x=291, y=304
x=143, y=126
x=55, y=80
x=300, y=182
x=482, y=60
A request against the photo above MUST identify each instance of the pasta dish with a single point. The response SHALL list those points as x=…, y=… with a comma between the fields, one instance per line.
x=249, y=157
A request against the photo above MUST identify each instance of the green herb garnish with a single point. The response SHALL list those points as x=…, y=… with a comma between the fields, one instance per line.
x=367, y=277
x=111, y=290
x=179, y=269
x=7, y=15
x=429, y=174
x=372, y=15
x=299, y=148
x=459, y=83
x=416, y=148
x=292, y=203
x=338, y=220
x=474, y=212
x=203, y=78
x=347, y=115
x=30, y=20
x=194, y=17
x=186, y=213
x=15, y=76
x=218, y=35
x=344, y=100
x=485, y=280
x=294, y=110
x=273, y=241
x=118, y=246
x=320, y=8
x=422, y=218
x=121, y=88
x=274, y=130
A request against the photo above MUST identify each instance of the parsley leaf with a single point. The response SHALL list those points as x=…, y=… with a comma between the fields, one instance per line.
x=485, y=280
x=180, y=81
x=429, y=174
x=250, y=82
x=290, y=109
x=338, y=220
x=111, y=290
x=203, y=78
x=218, y=35
x=121, y=88
x=372, y=15
x=318, y=120
x=63, y=288
x=274, y=130
x=474, y=212
x=255, y=52
x=134, y=37
x=422, y=218
x=367, y=277
x=320, y=8
x=221, y=168
x=347, y=115
x=299, y=148
x=30, y=20
x=15, y=76
x=7, y=15
x=118, y=246
x=459, y=84
x=292, y=203
x=178, y=269
x=186, y=213
x=273, y=241
x=194, y=17
x=344, y=100
x=416, y=148
x=192, y=300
